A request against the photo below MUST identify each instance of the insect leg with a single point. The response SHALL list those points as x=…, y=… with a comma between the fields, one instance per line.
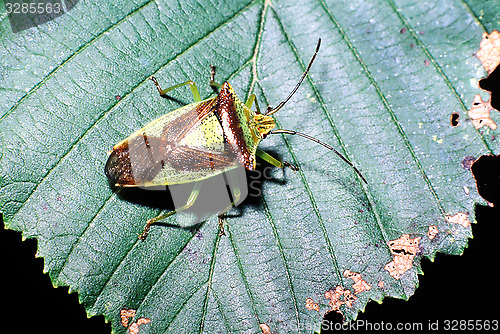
x=215, y=85
x=190, y=202
x=251, y=99
x=222, y=219
x=192, y=85
x=275, y=162
x=236, y=196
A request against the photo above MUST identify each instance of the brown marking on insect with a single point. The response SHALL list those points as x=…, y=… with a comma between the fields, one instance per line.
x=233, y=133
x=137, y=160
x=458, y=218
x=489, y=51
x=146, y=141
x=432, y=232
x=118, y=167
x=264, y=124
x=359, y=284
x=403, y=250
x=479, y=113
x=311, y=305
x=211, y=159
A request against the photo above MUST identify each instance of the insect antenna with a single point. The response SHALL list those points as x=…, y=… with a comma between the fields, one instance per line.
x=291, y=132
x=271, y=110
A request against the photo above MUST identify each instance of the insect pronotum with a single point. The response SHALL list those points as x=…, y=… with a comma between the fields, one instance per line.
x=199, y=141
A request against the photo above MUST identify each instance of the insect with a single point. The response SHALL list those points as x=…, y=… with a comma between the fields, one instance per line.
x=199, y=141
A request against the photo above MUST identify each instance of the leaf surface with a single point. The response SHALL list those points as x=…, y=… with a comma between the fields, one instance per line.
x=387, y=79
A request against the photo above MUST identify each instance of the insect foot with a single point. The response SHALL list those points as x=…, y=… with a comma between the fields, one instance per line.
x=292, y=167
x=145, y=232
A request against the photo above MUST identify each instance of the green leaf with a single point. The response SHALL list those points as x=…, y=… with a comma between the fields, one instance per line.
x=387, y=79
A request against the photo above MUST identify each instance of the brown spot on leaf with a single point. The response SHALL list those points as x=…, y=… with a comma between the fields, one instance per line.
x=426, y=62
x=467, y=162
x=402, y=31
x=489, y=51
x=479, y=113
x=432, y=232
x=125, y=314
x=360, y=284
x=459, y=218
x=404, y=250
x=334, y=297
x=265, y=328
x=134, y=327
x=311, y=305
x=339, y=297
x=349, y=298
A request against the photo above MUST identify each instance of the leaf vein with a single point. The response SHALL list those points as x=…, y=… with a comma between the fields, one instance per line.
x=77, y=52
x=282, y=254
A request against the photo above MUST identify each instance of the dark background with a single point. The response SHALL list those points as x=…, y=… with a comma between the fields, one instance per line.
x=453, y=287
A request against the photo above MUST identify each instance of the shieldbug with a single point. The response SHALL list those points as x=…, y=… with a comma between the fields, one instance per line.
x=199, y=141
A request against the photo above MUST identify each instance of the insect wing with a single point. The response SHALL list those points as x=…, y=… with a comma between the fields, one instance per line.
x=183, y=146
x=191, y=159
x=177, y=128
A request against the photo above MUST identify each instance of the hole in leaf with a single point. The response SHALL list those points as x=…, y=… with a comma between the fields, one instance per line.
x=454, y=119
x=492, y=84
x=486, y=171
